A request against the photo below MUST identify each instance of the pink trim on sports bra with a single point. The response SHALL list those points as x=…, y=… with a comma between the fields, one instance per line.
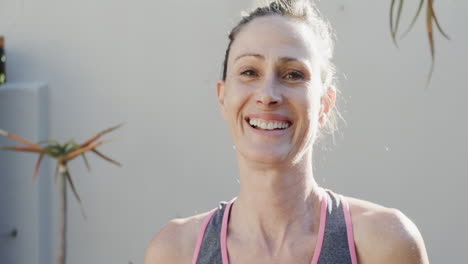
x=201, y=234
x=318, y=245
x=224, y=254
x=321, y=233
x=349, y=230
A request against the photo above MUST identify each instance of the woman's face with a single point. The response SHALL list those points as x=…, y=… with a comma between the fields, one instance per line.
x=272, y=94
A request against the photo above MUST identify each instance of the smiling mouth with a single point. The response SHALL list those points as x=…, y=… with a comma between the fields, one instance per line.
x=268, y=124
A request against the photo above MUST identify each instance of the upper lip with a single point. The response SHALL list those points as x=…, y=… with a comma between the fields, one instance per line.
x=269, y=117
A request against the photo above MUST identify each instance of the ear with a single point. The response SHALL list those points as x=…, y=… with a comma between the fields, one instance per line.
x=327, y=103
x=220, y=90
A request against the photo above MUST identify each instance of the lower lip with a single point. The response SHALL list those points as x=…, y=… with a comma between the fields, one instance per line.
x=277, y=132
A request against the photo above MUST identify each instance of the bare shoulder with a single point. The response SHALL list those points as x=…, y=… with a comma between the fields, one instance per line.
x=175, y=242
x=385, y=235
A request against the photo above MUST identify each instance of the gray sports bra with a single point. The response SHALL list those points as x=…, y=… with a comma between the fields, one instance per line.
x=335, y=242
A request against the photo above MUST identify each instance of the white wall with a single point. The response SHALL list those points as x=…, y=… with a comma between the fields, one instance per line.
x=154, y=64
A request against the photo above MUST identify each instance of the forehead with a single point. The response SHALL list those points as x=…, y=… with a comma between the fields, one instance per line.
x=275, y=36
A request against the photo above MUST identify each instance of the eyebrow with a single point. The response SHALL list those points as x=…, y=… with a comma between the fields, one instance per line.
x=256, y=55
x=249, y=55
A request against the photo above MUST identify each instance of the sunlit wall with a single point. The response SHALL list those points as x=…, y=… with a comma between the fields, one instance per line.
x=154, y=64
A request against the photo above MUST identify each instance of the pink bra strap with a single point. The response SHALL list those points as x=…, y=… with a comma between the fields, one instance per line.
x=321, y=232
x=349, y=229
x=201, y=234
x=224, y=228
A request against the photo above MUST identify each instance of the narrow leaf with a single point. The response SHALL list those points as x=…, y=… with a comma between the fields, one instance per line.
x=397, y=22
x=392, y=30
x=437, y=23
x=429, y=28
x=86, y=162
x=36, y=168
x=111, y=129
x=72, y=185
x=98, y=135
x=57, y=169
x=19, y=139
x=429, y=76
x=22, y=149
x=91, y=140
x=421, y=2
x=106, y=158
x=430, y=36
x=77, y=152
x=67, y=174
x=53, y=151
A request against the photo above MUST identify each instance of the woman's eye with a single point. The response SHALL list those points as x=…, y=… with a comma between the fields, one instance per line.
x=294, y=76
x=249, y=73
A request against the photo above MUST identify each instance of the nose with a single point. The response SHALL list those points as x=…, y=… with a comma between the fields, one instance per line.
x=269, y=94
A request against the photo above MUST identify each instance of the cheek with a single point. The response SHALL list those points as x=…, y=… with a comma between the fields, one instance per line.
x=236, y=97
x=308, y=103
x=313, y=96
x=308, y=107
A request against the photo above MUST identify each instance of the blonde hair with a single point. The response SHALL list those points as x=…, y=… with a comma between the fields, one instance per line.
x=307, y=12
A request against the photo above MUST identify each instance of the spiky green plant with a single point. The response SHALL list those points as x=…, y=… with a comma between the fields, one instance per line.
x=431, y=19
x=63, y=153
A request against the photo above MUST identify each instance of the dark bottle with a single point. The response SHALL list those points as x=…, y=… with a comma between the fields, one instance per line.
x=2, y=62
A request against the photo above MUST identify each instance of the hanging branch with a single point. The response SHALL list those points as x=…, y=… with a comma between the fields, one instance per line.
x=431, y=19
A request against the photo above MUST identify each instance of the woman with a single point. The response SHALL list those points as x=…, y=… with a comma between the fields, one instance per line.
x=277, y=95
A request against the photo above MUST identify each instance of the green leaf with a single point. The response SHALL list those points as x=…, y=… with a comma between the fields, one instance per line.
x=56, y=173
x=98, y=135
x=421, y=2
x=437, y=23
x=36, y=168
x=86, y=161
x=111, y=129
x=392, y=31
x=106, y=158
x=394, y=26
x=68, y=147
x=54, y=150
x=429, y=28
x=72, y=185
x=397, y=22
x=70, y=181
x=429, y=19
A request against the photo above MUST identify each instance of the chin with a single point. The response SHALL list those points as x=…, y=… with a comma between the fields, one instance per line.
x=267, y=155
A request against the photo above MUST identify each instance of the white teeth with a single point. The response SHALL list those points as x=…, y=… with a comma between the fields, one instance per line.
x=268, y=125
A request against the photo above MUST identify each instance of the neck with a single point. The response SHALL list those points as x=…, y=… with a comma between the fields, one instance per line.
x=276, y=202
